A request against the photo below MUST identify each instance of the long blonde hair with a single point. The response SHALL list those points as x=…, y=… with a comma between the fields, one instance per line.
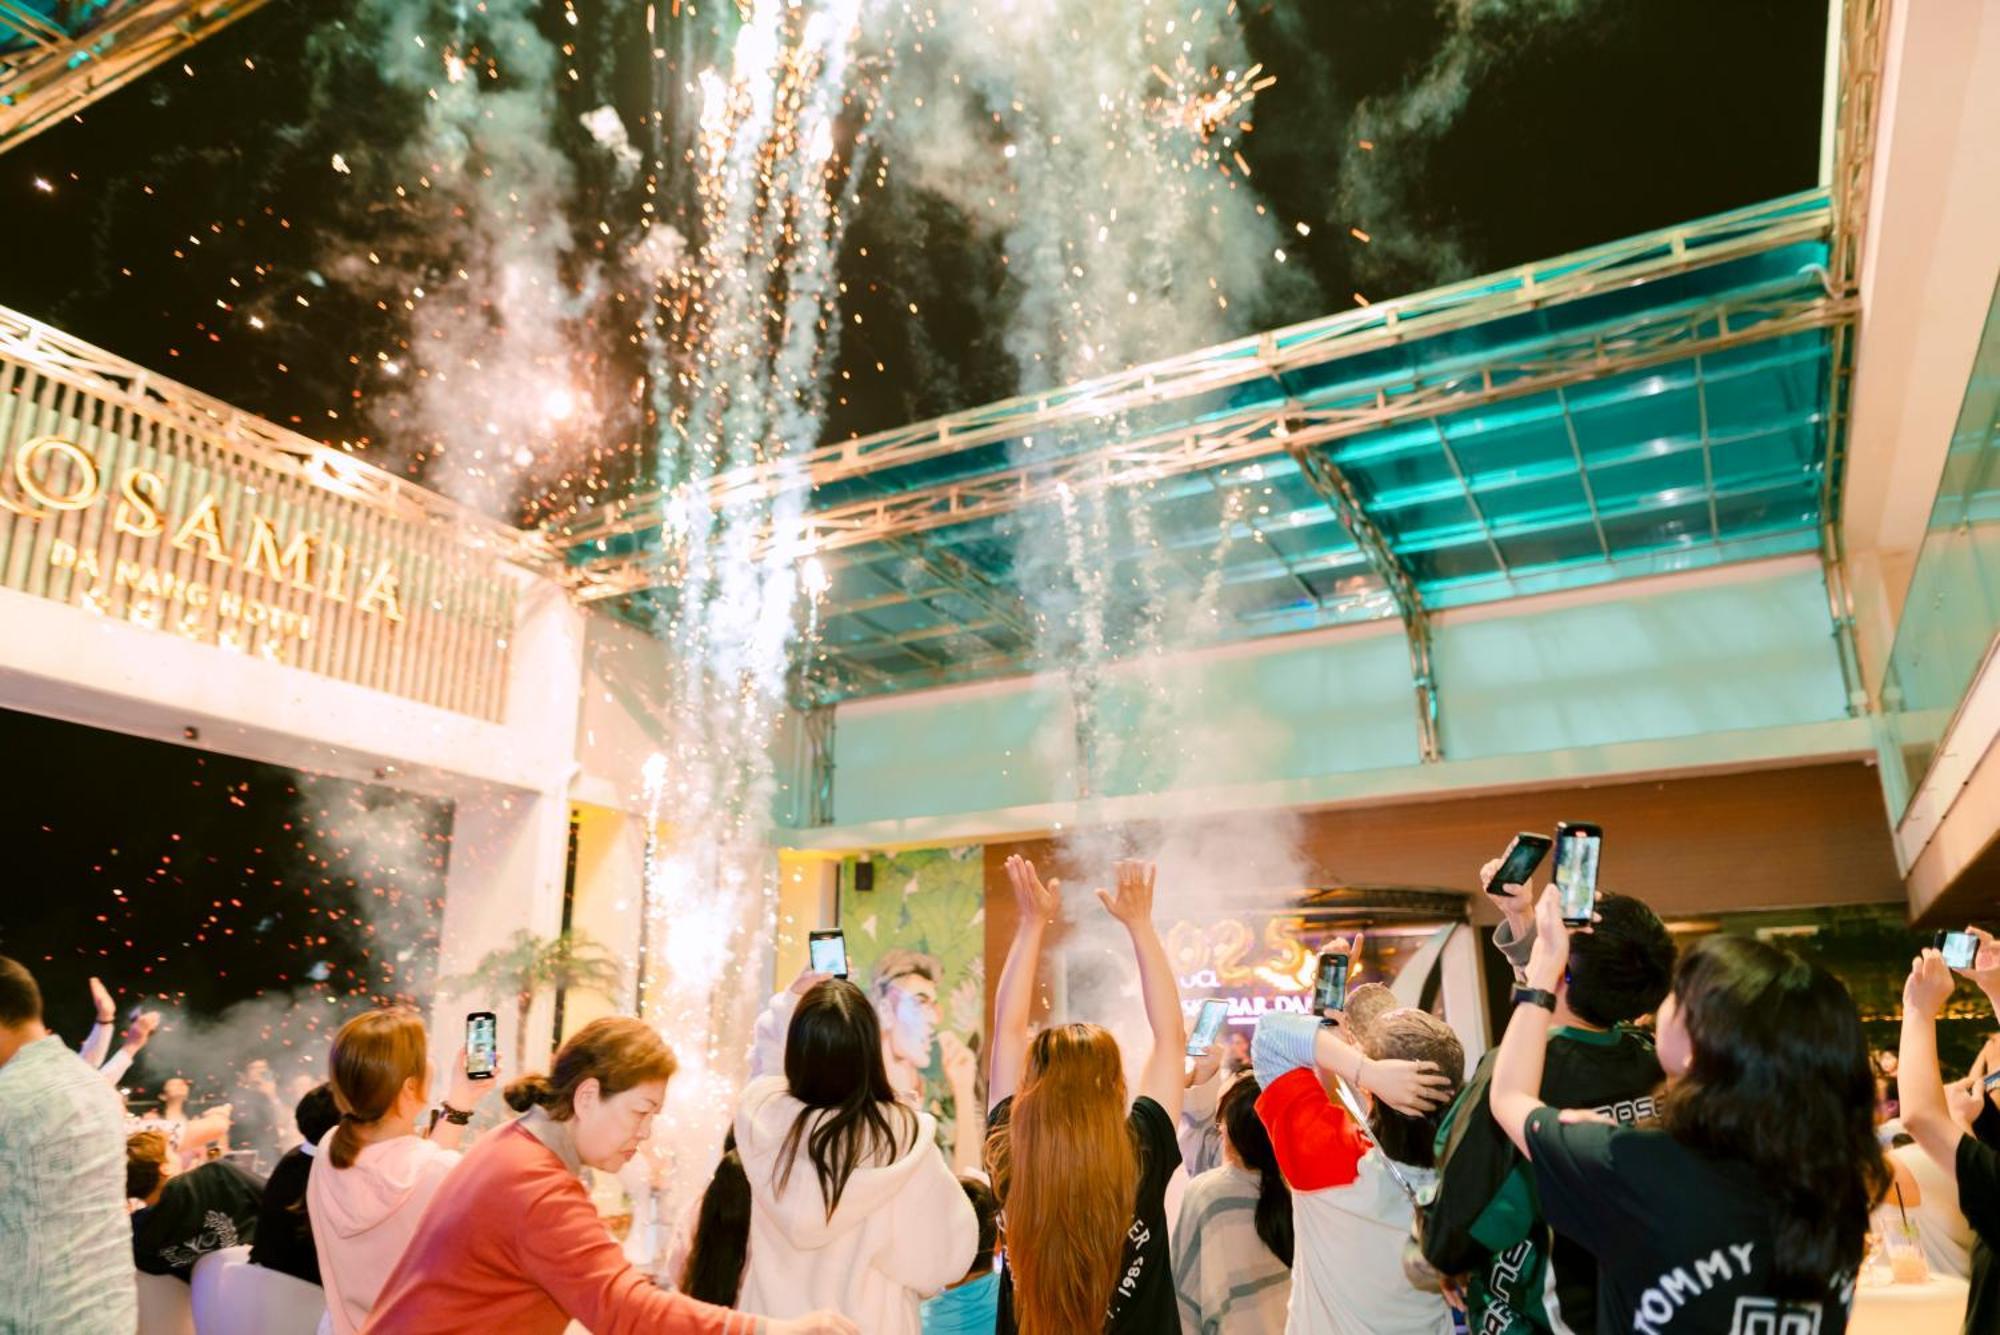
x=1067, y=1172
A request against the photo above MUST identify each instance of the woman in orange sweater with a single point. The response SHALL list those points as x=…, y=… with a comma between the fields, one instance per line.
x=511, y=1241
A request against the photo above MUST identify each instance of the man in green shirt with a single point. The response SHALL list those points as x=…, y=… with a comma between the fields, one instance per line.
x=1484, y=1222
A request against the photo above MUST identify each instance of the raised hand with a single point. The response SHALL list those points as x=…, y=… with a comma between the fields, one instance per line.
x=465, y=1092
x=1550, y=957
x=1515, y=902
x=1411, y=1088
x=107, y=1009
x=1985, y=970
x=1132, y=901
x=961, y=1067
x=1038, y=903
x=1205, y=1066
x=1928, y=986
x=807, y=980
x=141, y=1029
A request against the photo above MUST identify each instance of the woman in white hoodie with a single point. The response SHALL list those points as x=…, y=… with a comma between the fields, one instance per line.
x=853, y=1206
x=375, y=1172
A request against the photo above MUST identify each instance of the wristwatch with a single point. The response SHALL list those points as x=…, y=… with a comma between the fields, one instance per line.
x=1535, y=996
x=453, y=1115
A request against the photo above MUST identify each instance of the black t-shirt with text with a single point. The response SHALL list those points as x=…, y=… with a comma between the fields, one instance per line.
x=1142, y=1303
x=202, y=1210
x=1979, y=1201
x=1683, y=1242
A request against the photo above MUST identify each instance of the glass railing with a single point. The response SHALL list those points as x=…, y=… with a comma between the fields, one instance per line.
x=1953, y=608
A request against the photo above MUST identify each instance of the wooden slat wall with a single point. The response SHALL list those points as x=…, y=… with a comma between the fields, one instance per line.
x=449, y=651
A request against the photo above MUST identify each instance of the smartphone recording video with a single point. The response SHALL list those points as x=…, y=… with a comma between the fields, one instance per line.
x=482, y=1044
x=828, y=952
x=1207, y=1026
x=1330, y=984
x=1959, y=949
x=1578, y=847
x=1518, y=863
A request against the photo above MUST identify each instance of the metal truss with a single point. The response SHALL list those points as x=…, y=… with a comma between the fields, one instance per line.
x=64, y=66
x=1325, y=477
x=1087, y=404
x=818, y=722
x=1864, y=36
x=1652, y=339
x=58, y=355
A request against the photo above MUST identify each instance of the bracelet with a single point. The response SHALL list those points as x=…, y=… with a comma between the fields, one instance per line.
x=107, y=1019
x=453, y=1115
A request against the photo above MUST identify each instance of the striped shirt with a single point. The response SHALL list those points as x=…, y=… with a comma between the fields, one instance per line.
x=1228, y=1282
x=63, y=1232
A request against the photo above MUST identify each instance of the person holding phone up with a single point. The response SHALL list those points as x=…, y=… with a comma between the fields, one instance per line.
x=1484, y=1223
x=375, y=1171
x=1747, y=1207
x=1959, y=1147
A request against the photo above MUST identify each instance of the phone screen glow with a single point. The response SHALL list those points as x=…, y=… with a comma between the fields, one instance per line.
x=1330, y=987
x=480, y=1044
x=1576, y=875
x=1960, y=949
x=1207, y=1026
x=829, y=955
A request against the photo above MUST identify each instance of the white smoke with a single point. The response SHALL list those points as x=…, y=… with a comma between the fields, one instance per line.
x=485, y=389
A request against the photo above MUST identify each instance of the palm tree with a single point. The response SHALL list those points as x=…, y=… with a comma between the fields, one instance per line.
x=529, y=964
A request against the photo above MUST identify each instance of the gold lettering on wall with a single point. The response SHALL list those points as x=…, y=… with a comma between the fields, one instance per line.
x=203, y=526
x=139, y=506
x=382, y=589
x=34, y=471
x=262, y=554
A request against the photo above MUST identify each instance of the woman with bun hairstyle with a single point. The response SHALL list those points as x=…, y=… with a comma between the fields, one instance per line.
x=511, y=1241
x=375, y=1171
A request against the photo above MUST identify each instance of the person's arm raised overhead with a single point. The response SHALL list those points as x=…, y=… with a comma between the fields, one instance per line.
x=1038, y=905
x=1514, y=937
x=1919, y=1086
x=136, y=1036
x=1163, y=1077
x=1515, y=1087
x=97, y=1043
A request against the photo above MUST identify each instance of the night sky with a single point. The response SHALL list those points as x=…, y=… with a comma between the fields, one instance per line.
x=228, y=221
x=268, y=904
x=181, y=213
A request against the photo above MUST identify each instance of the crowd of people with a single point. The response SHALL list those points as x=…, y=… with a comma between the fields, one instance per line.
x=1663, y=1141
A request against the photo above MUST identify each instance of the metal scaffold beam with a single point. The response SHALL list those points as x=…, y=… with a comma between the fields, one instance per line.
x=1653, y=339
x=55, y=68
x=1085, y=405
x=1325, y=478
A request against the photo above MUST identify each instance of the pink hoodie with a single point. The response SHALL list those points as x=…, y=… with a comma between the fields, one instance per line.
x=364, y=1216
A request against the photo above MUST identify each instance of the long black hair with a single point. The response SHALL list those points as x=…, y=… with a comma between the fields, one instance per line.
x=833, y=1063
x=1238, y=1114
x=1779, y=1081
x=721, y=1243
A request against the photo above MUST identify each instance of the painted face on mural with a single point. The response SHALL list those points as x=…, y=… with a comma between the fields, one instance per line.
x=912, y=1022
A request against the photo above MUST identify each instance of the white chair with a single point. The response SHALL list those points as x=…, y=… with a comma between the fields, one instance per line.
x=233, y=1297
x=165, y=1306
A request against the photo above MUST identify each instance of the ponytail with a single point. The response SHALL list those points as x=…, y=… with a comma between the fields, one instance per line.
x=1238, y=1115
x=374, y=1056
